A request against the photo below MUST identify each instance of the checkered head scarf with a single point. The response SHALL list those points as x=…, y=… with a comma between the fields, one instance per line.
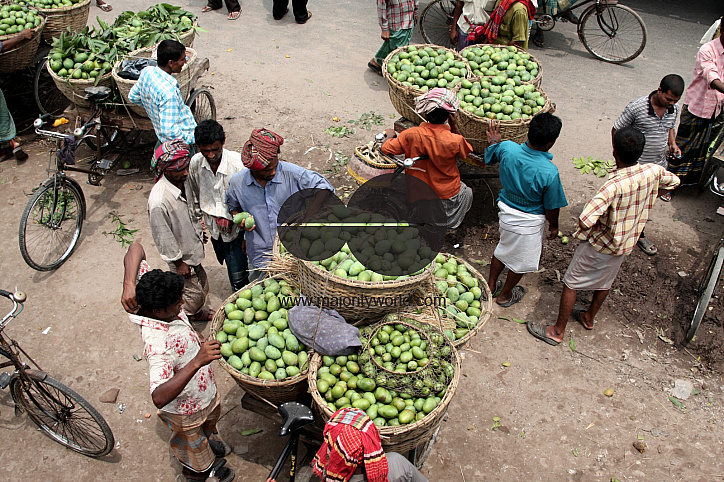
x=172, y=155
x=350, y=439
x=262, y=146
x=437, y=98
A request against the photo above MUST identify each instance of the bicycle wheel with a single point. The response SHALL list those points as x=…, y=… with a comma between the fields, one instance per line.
x=612, y=33
x=708, y=285
x=436, y=20
x=62, y=414
x=202, y=105
x=109, y=135
x=710, y=165
x=49, y=99
x=51, y=224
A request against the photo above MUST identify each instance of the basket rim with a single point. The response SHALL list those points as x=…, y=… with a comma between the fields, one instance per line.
x=247, y=379
x=36, y=31
x=116, y=66
x=61, y=10
x=75, y=82
x=538, y=78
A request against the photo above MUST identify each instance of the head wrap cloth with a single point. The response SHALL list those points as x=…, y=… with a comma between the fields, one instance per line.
x=350, y=440
x=437, y=98
x=172, y=155
x=262, y=146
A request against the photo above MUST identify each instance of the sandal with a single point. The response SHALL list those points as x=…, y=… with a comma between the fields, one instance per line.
x=234, y=15
x=496, y=293
x=666, y=197
x=220, y=448
x=20, y=154
x=104, y=6
x=516, y=294
x=375, y=68
x=209, y=9
x=647, y=246
x=538, y=40
x=538, y=330
x=577, y=311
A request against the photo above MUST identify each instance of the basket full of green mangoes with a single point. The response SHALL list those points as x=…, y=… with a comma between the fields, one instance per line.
x=63, y=15
x=258, y=349
x=13, y=20
x=508, y=62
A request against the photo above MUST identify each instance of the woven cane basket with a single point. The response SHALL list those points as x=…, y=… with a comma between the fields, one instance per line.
x=273, y=391
x=74, y=17
x=74, y=89
x=403, y=96
x=124, y=85
x=187, y=38
x=317, y=282
x=474, y=128
x=537, y=80
x=394, y=438
x=486, y=305
x=22, y=55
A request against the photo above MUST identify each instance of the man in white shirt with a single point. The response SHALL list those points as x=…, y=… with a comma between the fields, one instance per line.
x=209, y=174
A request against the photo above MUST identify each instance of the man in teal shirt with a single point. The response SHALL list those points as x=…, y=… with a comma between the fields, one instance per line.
x=532, y=194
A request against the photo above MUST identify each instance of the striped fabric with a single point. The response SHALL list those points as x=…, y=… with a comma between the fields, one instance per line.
x=397, y=14
x=613, y=220
x=640, y=114
x=350, y=439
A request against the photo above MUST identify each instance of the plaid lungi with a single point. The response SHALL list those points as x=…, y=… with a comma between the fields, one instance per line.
x=457, y=206
x=694, y=136
x=190, y=439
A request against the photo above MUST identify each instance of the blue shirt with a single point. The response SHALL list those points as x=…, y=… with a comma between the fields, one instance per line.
x=530, y=180
x=246, y=194
x=159, y=93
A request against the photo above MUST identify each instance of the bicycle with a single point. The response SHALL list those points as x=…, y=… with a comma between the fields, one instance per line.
x=709, y=171
x=59, y=411
x=610, y=32
x=52, y=220
x=295, y=416
x=707, y=287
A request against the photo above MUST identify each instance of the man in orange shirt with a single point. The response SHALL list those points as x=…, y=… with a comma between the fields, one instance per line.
x=443, y=145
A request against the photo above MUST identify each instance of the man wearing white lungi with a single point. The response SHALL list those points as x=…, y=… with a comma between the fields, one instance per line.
x=610, y=226
x=532, y=194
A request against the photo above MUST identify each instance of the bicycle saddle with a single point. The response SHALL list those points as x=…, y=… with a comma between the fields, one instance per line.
x=97, y=93
x=294, y=416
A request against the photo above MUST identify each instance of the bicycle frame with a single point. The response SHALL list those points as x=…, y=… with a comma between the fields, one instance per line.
x=9, y=348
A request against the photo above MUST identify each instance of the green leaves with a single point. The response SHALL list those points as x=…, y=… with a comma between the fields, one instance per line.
x=596, y=166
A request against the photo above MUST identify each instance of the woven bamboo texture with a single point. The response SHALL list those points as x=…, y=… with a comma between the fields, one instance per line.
x=74, y=89
x=474, y=128
x=397, y=438
x=403, y=96
x=22, y=55
x=61, y=19
x=275, y=392
x=124, y=85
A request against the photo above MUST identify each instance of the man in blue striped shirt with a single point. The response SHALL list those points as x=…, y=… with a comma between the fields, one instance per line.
x=158, y=92
x=654, y=115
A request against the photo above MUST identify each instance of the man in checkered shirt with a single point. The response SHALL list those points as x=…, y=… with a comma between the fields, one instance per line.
x=397, y=18
x=610, y=226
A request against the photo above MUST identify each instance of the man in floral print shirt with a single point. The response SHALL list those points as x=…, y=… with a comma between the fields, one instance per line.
x=182, y=382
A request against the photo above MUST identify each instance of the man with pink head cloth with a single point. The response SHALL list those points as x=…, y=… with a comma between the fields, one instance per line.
x=175, y=228
x=261, y=191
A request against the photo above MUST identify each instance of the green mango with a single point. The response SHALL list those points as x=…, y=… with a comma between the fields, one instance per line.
x=254, y=369
x=272, y=352
x=257, y=354
x=290, y=359
x=240, y=345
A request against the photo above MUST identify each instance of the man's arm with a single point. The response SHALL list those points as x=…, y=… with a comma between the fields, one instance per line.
x=595, y=208
x=707, y=59
x=165, y=393
x=454, y=28
x=552, y=218
x=668, y=182
x=10, y=44
x=382, y=17
x=673, y=148
x=519, y=25
x=131, y=263
x=491, y=154
x=193, y=179
x=393, y=145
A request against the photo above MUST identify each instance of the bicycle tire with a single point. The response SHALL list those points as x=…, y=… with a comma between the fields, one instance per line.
x=109, y=136
x=52, y=101
x=202, y=105
x=436, y=20
x=710, y=166
x=611, y=23
x=707, y=287
x=62, y=414
x=37, y=213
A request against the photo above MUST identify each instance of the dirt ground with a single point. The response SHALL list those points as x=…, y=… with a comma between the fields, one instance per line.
x=555, y=422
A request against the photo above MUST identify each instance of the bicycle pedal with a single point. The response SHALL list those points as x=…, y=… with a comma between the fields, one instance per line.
x=4, y=380
x=105, y=164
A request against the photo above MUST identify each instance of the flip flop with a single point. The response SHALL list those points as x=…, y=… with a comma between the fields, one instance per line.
x=498, y=289
x=105, y=7
x=20, y=154
x=375, y=68
x=577, y=310
x=665, y=197
x=516, y=294
x=647, y=246
x=234, y=15
x=220, y=448
x=538, y=330
x=209, y=9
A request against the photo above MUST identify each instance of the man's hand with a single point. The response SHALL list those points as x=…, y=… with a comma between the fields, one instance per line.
x=553, y=234
x=454, y=36
x=128, y=298
x=674, y=150
x=385, y=35
x=390, y=133
x=26, y=34
x=493, y=132
x=452, y=121
x=251, y=229
x=183, y=269
x=210, y=351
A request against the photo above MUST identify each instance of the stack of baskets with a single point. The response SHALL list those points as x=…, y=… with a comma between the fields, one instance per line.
x=124, y=85
x=74, y=17
x=22, y=55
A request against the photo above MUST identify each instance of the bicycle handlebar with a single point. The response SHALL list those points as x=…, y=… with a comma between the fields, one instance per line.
x=17, y=296
x=78, y=133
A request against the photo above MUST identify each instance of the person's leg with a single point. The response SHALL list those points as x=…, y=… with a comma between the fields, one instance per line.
x=212, y=5
x=401, y=470
x=496, y=268
x=511, y=281
x=196, y=288
x=231, y=5
x=565, y=307
x=189, y=443
x=280, y=8
x=255, y=274
x=237, y=263
x=301, y=14
x=588, y=317
x=646, y=246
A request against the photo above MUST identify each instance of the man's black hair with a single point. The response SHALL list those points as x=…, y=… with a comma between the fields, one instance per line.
x=629, y=143
x=544, y=128
x=437, y=116
x=169, y=50
x=209, y=131
x=672, y=83
x=157, y=289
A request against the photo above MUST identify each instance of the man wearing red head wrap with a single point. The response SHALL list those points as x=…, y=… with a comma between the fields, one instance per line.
x=175, y=228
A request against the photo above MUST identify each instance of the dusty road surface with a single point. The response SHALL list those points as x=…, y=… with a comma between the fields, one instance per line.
x=554, y=422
